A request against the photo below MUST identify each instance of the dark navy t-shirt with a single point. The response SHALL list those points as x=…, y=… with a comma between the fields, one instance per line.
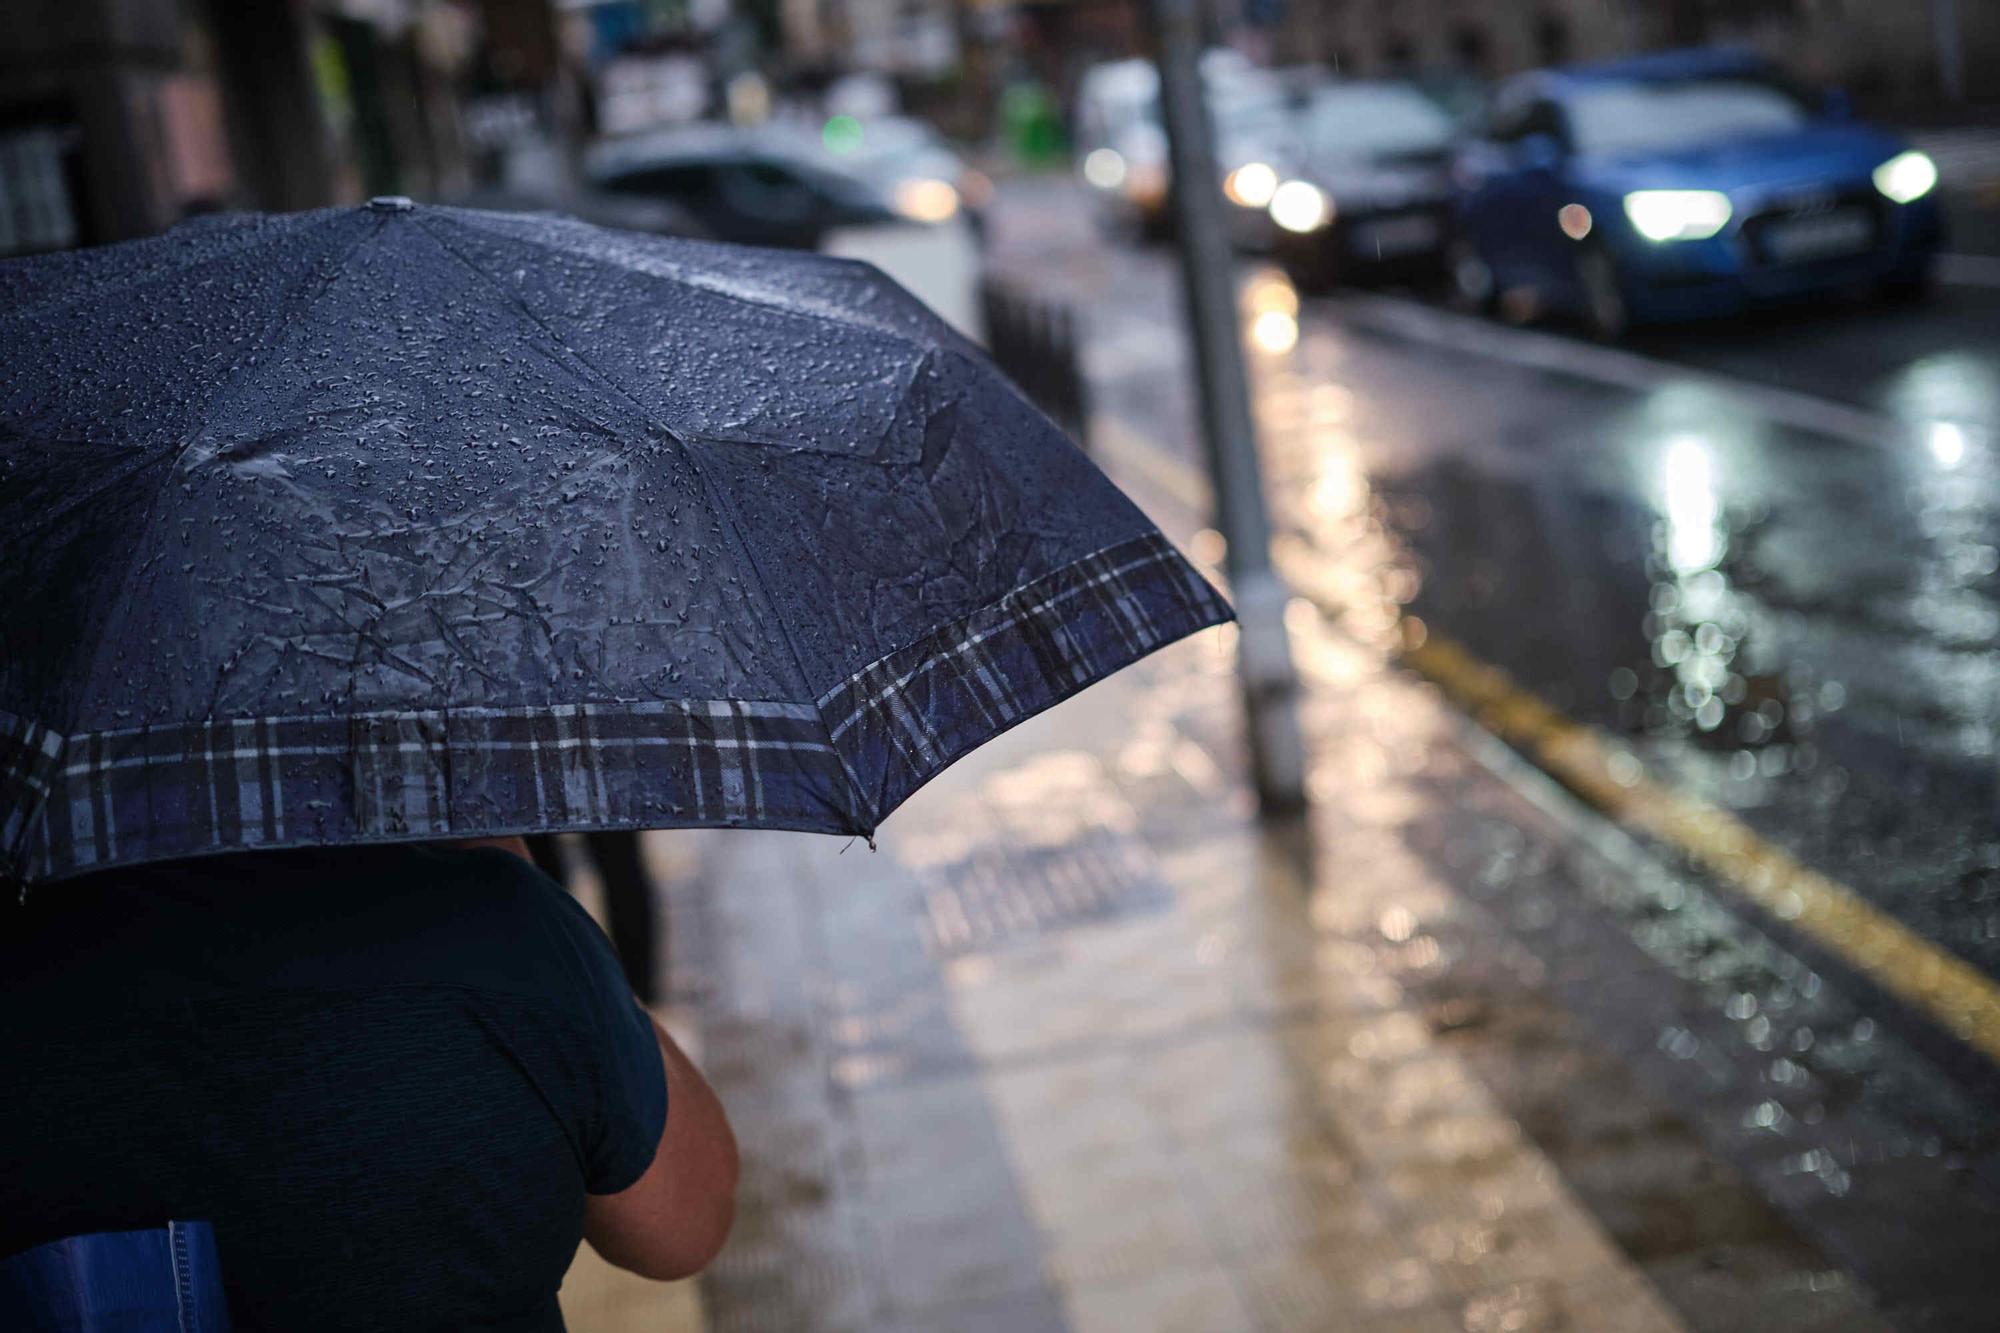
x=388, y=1076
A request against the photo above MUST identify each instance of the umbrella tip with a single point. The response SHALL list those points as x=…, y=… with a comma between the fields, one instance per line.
x=391, y=203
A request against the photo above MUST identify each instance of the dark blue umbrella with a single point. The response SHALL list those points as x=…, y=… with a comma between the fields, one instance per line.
x=387, y=523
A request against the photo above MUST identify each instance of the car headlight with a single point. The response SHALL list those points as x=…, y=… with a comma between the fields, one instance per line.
x=1104, y=168
x=1301, y=206
x=1907, y=177
x=1677, y=215
x=1251, y=185
x=924, y=199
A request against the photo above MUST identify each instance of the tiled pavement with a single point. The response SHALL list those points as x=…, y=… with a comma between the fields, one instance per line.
x=1081, y=1047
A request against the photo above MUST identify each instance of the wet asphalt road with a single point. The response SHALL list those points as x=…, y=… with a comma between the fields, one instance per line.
x=1767, y=554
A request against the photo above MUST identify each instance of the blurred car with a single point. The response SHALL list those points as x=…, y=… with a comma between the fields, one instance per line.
x=1681, y=185
x=1121, y=143
x=757, y=187
x=1372, y=196
x=909, y=160
x=597, y=207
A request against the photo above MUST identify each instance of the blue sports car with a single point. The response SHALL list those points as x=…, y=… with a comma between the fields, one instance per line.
x=1682, y=185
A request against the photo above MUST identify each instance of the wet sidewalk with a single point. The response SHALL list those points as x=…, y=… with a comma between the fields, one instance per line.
x=1084, y=1047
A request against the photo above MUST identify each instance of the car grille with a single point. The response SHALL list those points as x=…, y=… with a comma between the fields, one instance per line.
x=1770, y=235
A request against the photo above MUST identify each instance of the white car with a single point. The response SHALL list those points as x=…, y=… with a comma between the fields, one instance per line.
x=1121, y=144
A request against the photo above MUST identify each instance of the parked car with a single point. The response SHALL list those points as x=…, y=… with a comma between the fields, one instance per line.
x=1121, y=143
x=756, y=187
x=1121, y=151
x=1372, y=197
x=908, y=159
x=599, y=207
x=1681, y=185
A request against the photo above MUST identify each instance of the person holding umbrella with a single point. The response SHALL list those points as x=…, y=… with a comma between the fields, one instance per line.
x=341, y=548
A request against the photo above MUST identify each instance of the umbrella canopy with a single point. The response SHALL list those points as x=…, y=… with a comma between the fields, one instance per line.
x=397, y=522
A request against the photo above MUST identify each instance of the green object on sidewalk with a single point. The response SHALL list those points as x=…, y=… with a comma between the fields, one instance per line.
x=1028, y=120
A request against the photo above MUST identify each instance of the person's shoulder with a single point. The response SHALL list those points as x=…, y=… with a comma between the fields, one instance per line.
x=481, y=918
x=510, y=923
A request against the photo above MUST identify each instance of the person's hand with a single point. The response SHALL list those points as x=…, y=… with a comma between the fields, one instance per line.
x=517, y=845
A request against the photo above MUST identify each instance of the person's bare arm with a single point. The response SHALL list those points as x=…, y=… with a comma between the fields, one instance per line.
x=673, y=1220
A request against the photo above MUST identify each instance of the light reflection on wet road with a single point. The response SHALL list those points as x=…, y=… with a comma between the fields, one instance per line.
x=1795, y=624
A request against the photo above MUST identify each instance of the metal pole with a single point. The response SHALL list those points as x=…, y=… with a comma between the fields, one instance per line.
x=1264, y=655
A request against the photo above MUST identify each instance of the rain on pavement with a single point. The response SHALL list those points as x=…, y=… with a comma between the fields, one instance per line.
x=1762, y=558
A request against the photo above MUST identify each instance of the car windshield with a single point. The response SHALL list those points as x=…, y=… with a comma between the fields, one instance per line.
x=1376, y=122
x=1248, y=112
x=1640, y=117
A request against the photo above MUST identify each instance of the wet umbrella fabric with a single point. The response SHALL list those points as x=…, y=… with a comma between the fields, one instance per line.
x=391, y=523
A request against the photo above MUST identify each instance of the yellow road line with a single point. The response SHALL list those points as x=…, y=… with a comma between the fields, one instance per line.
x=1959, y=996
x=1964, y=1000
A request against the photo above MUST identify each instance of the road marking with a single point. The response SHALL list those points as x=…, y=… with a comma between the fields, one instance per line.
x=1969, y=270
x=1555, y=354
x=1964, y=1000
x=1959, y=997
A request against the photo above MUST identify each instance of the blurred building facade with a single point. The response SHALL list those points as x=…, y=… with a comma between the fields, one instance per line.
x=120, y=117
x=1895, y=53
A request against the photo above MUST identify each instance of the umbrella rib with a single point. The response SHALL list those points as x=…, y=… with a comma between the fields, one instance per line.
x=716, y=501
x=287, y=321
x=47, y=518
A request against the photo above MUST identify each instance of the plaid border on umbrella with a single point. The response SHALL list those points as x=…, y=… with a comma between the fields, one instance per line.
x=29, y=756
x=840, y=765
x=903, y=718
x=153, y=793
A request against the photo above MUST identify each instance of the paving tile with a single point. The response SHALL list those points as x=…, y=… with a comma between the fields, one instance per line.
x=1476, y=1254
x=1124, y=1182
x=928, y=1129
x=1257, y=1197
x=1439, y=1139
x=1100, y=1245
x=1020, y=1312
x=778, y=1303
x=948, y=1259
x=602, y=1299
x=1488, y=1187
x=1340, y=1284
x=1519, y=1307
x=1226, y=1080
x=1197, y=1301
x=1423, y=1087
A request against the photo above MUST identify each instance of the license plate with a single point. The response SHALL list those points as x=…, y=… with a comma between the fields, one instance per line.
x=1394, y=236
x=1843, y=233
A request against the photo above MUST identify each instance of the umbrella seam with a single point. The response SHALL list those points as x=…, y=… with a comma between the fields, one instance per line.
x=861, y=811
x=925, y=768
x=224, y=397
x=951, y=626
x=863, y=814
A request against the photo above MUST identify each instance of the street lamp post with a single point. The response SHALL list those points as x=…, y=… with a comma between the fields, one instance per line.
x=1264, y=655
